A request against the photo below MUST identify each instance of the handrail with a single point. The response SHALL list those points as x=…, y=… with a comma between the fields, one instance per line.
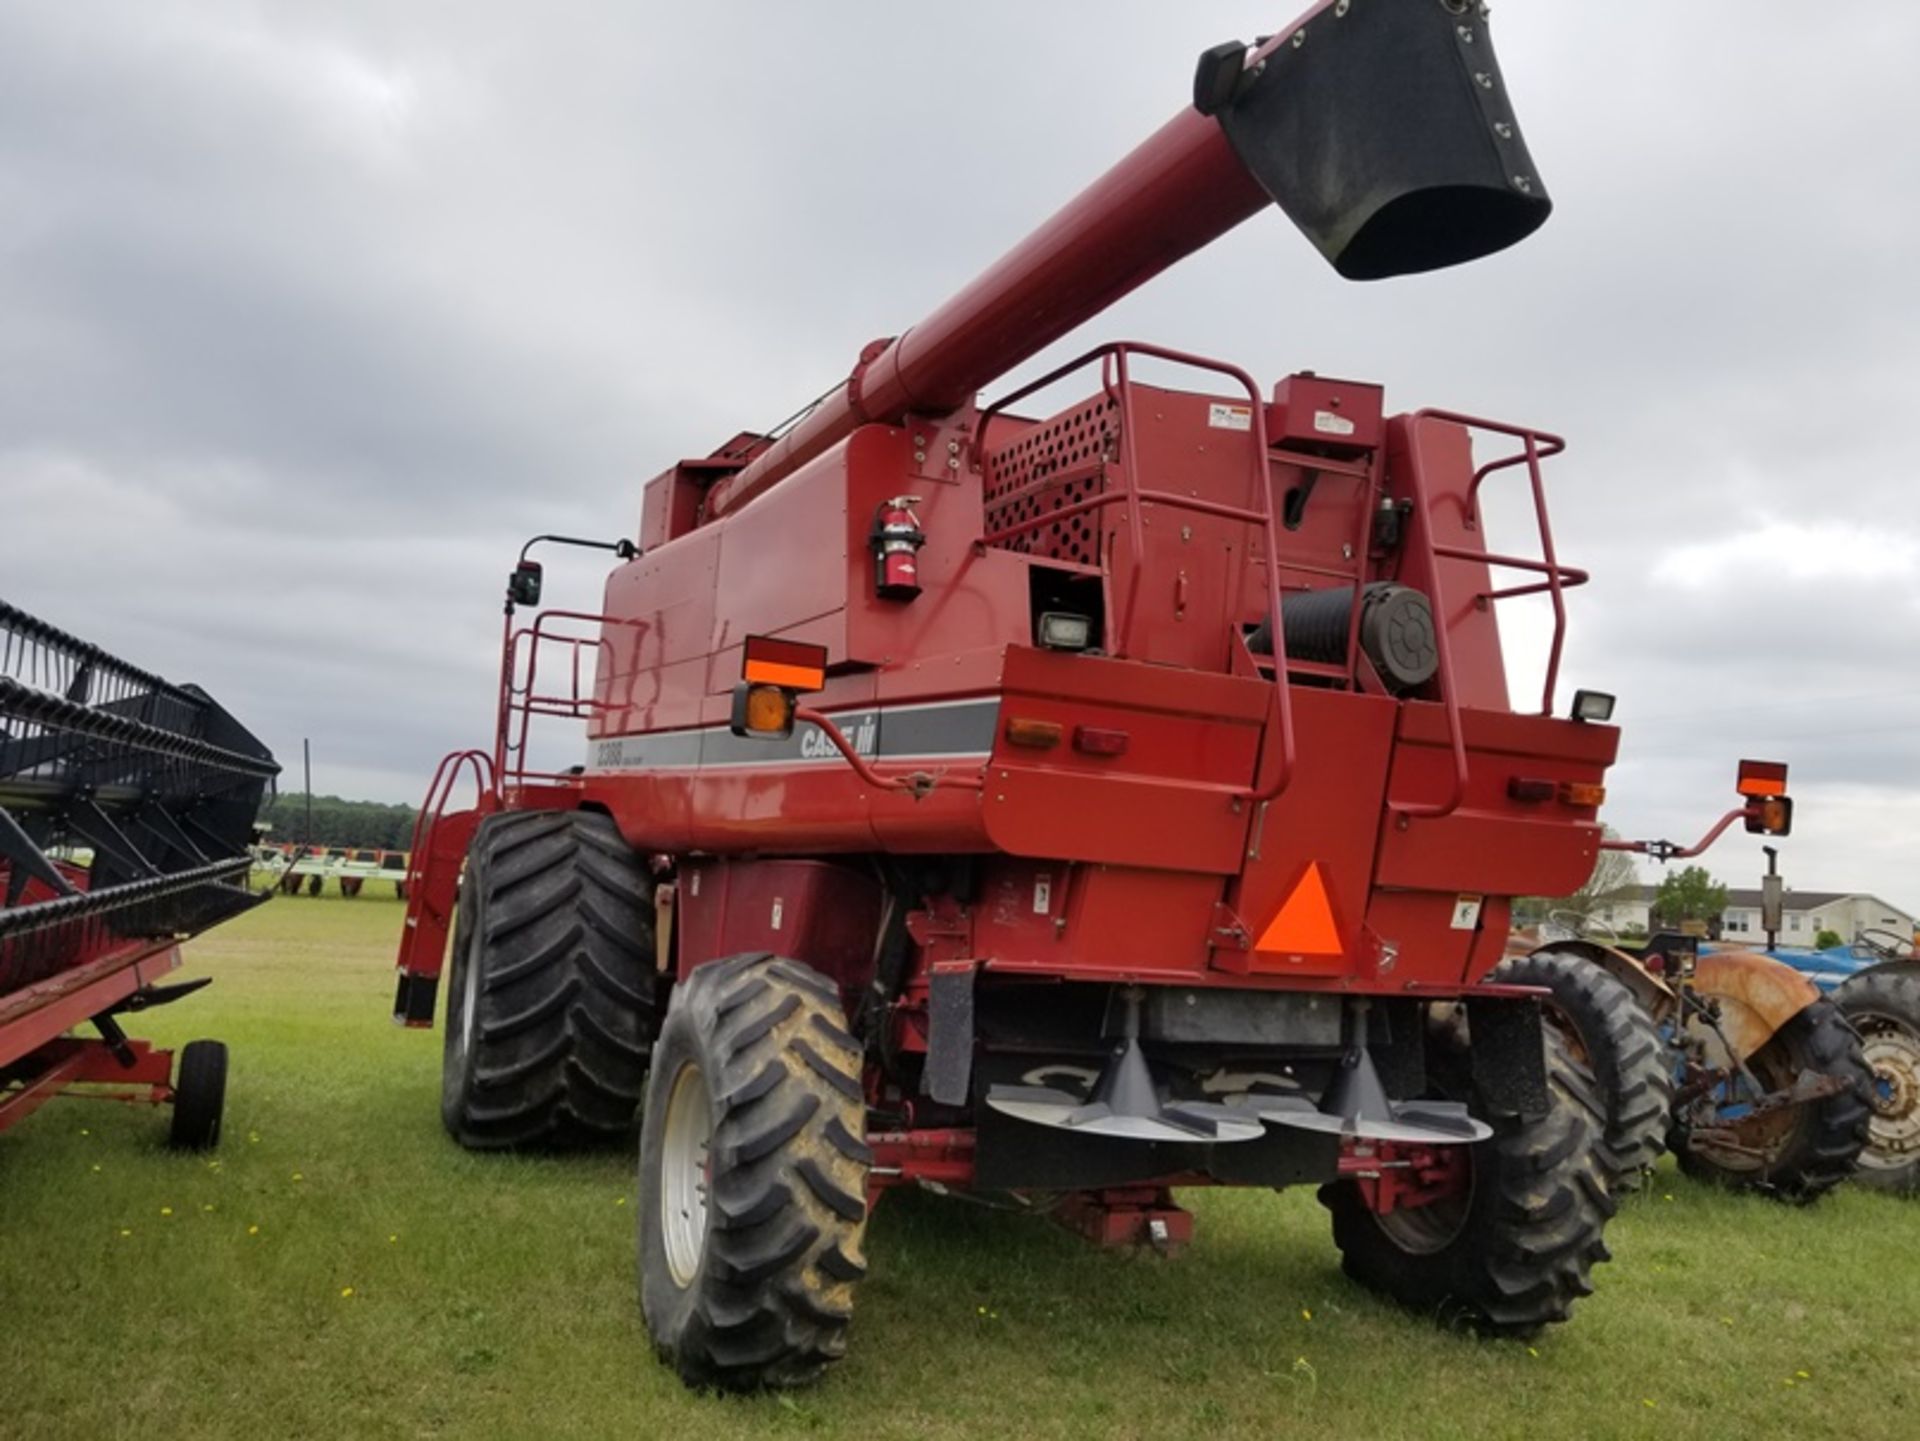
x=917, y=783
x=445, y=776
x=1116, y=384
x=1536, y=446
x=522, y=698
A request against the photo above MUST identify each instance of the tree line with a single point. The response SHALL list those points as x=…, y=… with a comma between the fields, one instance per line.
x=370, y=825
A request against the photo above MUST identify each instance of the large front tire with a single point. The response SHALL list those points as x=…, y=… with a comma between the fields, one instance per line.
x=1609, y=1032
x=551, y=1011
x=1801, y=1152
x=753, y=1177
x=1515, y=1250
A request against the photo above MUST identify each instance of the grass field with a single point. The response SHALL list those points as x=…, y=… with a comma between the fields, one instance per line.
x=341, y=1269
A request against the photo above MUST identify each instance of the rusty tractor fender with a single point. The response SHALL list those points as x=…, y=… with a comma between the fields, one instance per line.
x=1655, y=996
x=1757, y=995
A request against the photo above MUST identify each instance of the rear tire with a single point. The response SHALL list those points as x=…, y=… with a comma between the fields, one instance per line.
x=1514, y=1253
x=551, y=1011
x=1817, y=1145
x=199, y=1097
x=1884, y=1006
x=1609, y=1032
x=753, y=1177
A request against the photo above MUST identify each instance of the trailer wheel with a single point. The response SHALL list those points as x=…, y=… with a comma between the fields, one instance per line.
x=753, y=1177
x=199, y=1096
x=1514, y=1251
x=551, y=1011
x=1802, y=1152
x=1884, y=1005
x=1611, y=1034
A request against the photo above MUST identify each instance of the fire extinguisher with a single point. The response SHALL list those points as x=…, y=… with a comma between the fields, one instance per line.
x=895, y=540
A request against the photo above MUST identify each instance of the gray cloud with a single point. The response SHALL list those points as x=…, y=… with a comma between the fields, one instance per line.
x=312, y=314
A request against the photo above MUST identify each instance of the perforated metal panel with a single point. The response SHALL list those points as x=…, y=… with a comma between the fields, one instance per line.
x=1052, y=466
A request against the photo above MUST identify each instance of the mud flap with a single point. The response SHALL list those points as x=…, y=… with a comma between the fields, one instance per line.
x=1509, y=1055
x=949, y=1070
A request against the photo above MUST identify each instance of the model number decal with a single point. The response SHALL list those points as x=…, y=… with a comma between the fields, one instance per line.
x=1229, y=417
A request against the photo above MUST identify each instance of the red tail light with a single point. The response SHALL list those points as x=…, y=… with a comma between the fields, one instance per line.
x=1096, y=742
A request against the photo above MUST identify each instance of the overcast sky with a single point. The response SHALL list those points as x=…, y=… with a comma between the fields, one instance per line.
x=310, y=314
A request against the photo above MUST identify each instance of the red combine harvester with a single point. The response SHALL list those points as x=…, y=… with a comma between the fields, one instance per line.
x=1152, y=812
x=126, y=808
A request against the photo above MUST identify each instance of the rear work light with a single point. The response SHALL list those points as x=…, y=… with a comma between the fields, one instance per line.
x=1592, y=705
x=1060, y=630
x=1582, y=793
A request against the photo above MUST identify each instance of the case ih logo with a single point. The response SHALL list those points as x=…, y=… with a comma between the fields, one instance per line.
x=863, y=735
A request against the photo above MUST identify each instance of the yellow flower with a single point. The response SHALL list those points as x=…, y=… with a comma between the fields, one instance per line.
x=392, y=1239
x=1305, y=1314
x=166, y=1210
x=85, y=1132
x=1803, y=1375
x=1532, y=1352
x=345, y=1291
x=207, y=1207
x=298, y=1177
x=96, y=1166
x=125, y=1232
x=253, y=1230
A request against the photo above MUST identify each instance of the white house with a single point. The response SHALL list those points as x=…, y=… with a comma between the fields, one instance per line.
x=1805, y=914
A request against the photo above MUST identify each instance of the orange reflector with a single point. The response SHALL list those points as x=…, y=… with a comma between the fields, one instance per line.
x=1304, y=925
x=1581, y=793
x=1036, y=733
x=1770, y=817
x=1762, y=778
x=794, y=664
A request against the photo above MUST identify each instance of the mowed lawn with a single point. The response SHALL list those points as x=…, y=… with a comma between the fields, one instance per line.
x=342, y=1269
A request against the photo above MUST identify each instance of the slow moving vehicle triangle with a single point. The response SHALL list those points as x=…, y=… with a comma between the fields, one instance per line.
x=1304, y=926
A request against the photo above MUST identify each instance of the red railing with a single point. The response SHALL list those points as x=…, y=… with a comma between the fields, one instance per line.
x=1535, y=446
x=1115, y=381
x=521, y=698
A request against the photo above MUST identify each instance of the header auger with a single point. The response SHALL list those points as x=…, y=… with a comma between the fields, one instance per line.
x=1093, y=803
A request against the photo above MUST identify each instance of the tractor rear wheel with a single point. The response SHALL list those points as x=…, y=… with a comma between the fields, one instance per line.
x=753, y=1177
x=1884, y=1005
x=551, y=1007
x=1797, y=1153
x=1610, y=1033
x=1513, y=1250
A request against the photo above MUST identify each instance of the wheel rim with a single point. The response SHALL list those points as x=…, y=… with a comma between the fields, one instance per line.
x=1892, y=1053
x=1763, y=1140
x=470, y=992
x=1425, y=1230
x=685, y=1173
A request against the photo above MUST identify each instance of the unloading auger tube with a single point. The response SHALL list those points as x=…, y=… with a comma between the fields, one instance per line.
x=1432, y=171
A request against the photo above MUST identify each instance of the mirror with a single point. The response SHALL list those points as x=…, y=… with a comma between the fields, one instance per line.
x=523, y=586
